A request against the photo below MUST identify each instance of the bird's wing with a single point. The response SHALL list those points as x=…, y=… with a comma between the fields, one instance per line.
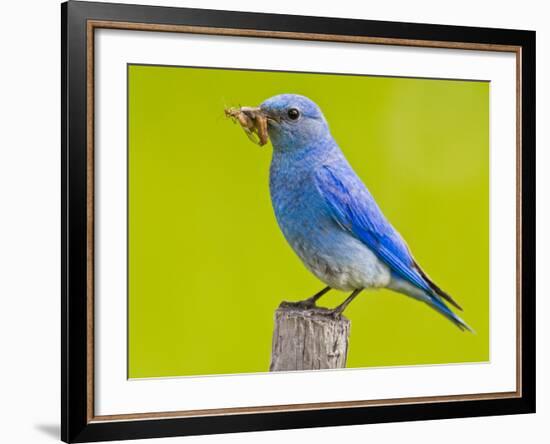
x=354, y=209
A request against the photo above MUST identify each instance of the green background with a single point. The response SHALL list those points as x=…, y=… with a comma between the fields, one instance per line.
x=207, y=263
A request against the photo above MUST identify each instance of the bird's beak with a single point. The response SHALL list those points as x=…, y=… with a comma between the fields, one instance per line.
x=253, y=121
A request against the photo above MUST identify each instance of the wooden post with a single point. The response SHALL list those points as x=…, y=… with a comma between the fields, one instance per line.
x=308, y=339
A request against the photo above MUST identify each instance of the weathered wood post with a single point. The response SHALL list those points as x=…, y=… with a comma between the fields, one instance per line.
x=308, y=338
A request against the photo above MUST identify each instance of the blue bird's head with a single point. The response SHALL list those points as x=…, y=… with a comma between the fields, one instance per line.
x=294, y=122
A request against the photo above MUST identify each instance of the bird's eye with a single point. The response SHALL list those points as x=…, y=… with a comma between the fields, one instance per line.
x=293, y=114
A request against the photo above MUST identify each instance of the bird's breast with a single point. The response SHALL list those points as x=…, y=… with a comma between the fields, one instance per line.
x=328, y=251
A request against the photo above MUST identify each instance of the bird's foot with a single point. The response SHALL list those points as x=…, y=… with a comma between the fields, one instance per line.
x=335, y=313
x=306, y=304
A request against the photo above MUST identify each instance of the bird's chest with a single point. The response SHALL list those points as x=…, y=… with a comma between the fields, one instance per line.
x=298, y=206
x=328, y=251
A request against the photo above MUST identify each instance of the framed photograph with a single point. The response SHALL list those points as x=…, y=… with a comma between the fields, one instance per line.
x=275, y=221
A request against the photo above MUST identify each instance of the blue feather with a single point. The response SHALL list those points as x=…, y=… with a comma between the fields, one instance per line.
x=355, y=210
x=360, y=214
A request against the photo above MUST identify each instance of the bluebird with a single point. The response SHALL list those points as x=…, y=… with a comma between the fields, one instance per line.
x=329, y=217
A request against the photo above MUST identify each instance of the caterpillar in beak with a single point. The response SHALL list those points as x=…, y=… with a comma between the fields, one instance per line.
x=252, y=121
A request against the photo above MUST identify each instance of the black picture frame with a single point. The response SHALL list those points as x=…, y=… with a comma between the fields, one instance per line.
x=76, y=423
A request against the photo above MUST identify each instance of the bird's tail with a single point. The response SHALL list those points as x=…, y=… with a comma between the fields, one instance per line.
x=438, y=305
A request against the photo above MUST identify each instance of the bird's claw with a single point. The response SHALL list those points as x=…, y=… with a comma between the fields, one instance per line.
x=306, y=304
x=335, y=313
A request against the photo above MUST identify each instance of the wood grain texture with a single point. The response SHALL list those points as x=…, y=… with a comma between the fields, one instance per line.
x=308, y=339
x=159, y=27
